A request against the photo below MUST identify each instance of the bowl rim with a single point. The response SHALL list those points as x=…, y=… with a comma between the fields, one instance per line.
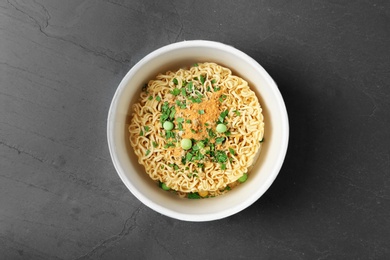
x=277, y=164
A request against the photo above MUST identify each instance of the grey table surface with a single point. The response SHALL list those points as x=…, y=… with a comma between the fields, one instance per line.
x=61, y=62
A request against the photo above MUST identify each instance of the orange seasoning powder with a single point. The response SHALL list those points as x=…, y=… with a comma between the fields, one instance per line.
x=200, y=116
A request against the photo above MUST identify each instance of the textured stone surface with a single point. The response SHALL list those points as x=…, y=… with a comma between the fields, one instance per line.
x=60, y=64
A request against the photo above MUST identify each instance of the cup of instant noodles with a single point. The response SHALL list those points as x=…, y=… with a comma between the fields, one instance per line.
x=197, y=130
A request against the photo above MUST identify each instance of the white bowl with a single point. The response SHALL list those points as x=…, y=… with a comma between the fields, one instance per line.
x=273, y=151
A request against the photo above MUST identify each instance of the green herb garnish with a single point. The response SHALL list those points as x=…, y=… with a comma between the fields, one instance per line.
x=195, y=100
x=195, y=147
x=222, y=98
x=175, y=91
x=169, y=134
x=174, y=166
x=169, y=144
x=197, y=156
x=222, y=116
x=210, y=132
x=188, y=157
x=172, y=113
x=202, y=79
x=190, y=86
x=221, y=156
x=165, y=112
x=219, y=140
x=183, y=92
x=193, y=195
x=180, y=126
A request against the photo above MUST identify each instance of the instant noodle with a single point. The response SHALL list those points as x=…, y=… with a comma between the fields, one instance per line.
x=197, y=131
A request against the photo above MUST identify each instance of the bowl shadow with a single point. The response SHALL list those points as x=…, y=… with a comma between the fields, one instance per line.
x=289, y=187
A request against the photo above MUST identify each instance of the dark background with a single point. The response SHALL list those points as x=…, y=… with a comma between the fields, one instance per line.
x=61, y=62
